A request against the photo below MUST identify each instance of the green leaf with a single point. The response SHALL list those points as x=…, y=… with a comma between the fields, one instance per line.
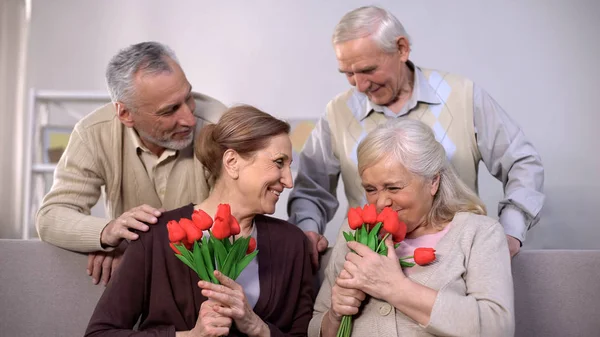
x=383, y=250
x=243, y=263
x=376, y=229
x=396, y=245
x=207, y=242
x=208, y=262
x=348, y=237
x=363, y=235
x=186, y=261
x=220, y=251
x=406, y=264
x=226, y=244
x=240, y=247
x=199, y=261
x=371, y=241
x=184, y=251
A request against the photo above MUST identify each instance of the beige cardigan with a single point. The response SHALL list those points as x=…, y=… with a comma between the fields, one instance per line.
x=473, y=277
x=100, y=154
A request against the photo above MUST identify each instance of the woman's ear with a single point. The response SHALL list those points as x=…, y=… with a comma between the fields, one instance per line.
x=231, y=163
x=435, y=184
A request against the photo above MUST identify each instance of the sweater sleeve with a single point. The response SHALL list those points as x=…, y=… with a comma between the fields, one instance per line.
x=125, y=297
x=304, y=301
x=487, y=308
x=323, y=302
x=64, y=218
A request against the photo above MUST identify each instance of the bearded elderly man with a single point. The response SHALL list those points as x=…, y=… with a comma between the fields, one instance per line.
x=372, y=49
x=139, y=148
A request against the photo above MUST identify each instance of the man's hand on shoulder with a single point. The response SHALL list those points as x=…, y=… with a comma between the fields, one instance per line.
x=101, y=265
x=120, y=228
x=318, y=245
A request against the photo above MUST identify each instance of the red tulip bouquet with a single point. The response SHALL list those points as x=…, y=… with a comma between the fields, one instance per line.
x=372, y=229
x=220, y=252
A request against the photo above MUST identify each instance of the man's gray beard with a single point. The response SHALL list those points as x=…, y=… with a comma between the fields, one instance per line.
x=168, y=144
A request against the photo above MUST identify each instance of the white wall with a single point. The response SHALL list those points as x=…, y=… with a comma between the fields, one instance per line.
x=537, y=58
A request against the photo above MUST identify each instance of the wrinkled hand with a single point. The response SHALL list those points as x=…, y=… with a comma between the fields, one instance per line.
x=210, y=322
x=374, y=274
x=345, y=301
x=101, y=265
x=318, y=245
x=234, y=304
x=514, y=245
x=119, y=228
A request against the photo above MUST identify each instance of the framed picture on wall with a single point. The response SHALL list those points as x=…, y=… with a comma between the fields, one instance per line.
x=54, y=142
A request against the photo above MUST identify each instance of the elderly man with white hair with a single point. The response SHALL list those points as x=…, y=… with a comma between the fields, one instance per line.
x=373, y=49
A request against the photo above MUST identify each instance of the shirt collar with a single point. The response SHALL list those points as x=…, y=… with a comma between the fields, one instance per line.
x=422, y=92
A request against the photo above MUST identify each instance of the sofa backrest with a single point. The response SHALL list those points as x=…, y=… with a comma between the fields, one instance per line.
x=44, y=291
x=557, y=293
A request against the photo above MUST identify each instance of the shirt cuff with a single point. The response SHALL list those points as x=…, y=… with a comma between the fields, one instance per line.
x=308, y=225
x=514, y=223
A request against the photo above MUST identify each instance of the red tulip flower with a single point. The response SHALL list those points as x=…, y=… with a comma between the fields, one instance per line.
x=223, y=212
x=201, y=219
x=214, y=252
x=369, y=214
x=176, y=232
x=355, y=219
x=390, y=221
x=251, y=246
x=234, y=225
x=221, y=228
x=424, y=256
x=392, y=225
x=193, y=233
x=400, y=234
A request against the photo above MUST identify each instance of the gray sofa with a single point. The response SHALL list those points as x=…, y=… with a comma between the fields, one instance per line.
x=44, y=291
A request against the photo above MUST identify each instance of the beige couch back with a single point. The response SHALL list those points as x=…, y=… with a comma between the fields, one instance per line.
x=44, y=291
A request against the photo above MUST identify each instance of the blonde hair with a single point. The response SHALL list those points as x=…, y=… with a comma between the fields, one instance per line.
x=413, y=144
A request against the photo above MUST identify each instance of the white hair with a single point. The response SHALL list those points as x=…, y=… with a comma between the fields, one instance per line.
x=150, y=57
x=413, y=144
x=382, y=26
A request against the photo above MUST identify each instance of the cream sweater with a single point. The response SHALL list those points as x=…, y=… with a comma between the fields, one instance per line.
x=101, y=155
x=472, y=275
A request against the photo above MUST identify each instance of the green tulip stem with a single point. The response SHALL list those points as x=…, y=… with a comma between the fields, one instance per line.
x=382, y=241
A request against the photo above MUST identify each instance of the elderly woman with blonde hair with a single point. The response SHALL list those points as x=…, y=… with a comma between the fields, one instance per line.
x=466, y=291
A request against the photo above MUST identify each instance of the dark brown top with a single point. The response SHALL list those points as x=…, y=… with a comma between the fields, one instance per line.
x=153, y=283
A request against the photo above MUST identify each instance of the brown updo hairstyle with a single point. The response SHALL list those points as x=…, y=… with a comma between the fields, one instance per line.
x=243, y=128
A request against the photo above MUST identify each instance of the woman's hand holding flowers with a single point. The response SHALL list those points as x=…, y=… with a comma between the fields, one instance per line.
x=234, y=305
x=376, y=275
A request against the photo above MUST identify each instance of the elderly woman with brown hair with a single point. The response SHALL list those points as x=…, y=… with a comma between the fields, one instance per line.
x=248, y=155
x=466, y=291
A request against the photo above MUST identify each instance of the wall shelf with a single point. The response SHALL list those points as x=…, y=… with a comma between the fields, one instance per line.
x=40, y=162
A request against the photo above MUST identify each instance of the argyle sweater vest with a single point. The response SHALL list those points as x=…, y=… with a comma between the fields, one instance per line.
x=451, y=121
